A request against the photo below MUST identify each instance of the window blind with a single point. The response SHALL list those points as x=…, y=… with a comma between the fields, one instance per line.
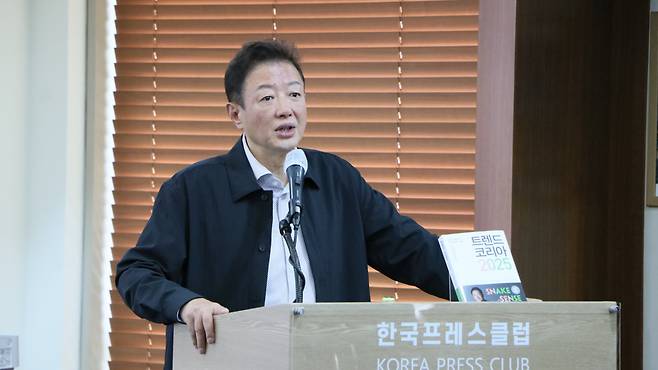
x=391, y=87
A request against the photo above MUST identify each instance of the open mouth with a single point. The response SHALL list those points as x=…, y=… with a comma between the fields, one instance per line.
x=285, y=130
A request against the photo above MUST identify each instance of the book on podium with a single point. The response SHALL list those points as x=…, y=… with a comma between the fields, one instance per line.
x=481, y=267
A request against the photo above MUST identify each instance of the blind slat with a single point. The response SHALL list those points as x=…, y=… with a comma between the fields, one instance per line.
x=341, y=144
x=354, y=84
x=324, y=72
x=297, y=27
x=442, y=191
x=251, y=11
x=324, y=55
x=336, y=129
x=143, y=356
x=460, y=4
x=360, y=160
x=347, y=114
x=315, y=100
x=432, y=220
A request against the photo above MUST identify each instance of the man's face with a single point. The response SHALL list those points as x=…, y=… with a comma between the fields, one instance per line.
x=274, y=114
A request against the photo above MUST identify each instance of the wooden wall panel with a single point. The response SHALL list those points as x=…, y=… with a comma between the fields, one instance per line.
x=626, y=171
x=578, y=157
x=560, y=146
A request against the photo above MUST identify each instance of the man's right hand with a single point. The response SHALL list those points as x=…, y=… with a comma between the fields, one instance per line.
x=198, y=315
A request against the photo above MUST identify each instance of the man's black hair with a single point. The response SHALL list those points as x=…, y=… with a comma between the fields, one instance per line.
x=252, y=54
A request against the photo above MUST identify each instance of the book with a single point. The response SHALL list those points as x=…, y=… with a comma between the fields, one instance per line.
x=481, y=267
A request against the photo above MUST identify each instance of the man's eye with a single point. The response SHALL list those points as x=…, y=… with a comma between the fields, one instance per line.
x=295, y=94
x=267, y=98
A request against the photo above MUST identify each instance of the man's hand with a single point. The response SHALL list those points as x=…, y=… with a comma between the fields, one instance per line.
x=198, y=315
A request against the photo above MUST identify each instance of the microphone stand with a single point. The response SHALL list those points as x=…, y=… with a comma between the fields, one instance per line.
x=286, y=231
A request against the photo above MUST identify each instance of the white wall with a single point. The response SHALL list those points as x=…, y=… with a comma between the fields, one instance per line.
x=651, y=288
x=42, y=97
x=13, y=54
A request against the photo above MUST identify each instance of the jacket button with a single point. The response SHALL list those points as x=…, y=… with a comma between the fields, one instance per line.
x=261, y=248
x=264, y=196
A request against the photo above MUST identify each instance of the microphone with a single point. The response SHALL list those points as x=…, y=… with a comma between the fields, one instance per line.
x=296, y=166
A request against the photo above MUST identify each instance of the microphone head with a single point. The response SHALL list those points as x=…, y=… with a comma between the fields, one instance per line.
x=295, y=157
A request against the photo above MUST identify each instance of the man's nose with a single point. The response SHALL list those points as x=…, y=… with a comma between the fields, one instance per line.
x=283, y=108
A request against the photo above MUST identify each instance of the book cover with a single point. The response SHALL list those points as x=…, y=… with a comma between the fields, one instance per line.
x=481, y=267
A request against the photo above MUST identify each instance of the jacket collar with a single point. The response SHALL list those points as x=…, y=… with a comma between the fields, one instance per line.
x=242, y=181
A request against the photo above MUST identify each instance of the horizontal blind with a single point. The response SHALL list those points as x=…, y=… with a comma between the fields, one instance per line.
x=390, y=87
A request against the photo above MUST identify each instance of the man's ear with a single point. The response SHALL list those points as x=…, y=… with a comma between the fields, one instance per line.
x=233, y=110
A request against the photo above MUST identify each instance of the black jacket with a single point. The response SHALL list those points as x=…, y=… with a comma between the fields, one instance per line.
x=209, y=236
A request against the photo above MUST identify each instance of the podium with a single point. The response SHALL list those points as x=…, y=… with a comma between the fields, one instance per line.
x=436, y=336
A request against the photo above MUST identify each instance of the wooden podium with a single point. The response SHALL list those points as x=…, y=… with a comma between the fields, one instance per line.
x=444, y=335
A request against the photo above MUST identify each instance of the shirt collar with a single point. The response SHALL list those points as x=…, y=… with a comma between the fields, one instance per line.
x=258, y=169
x=241, y=176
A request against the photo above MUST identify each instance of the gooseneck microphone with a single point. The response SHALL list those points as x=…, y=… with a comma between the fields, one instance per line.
x=295, y=165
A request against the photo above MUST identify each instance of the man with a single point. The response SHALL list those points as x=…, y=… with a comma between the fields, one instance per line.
x=212, y=244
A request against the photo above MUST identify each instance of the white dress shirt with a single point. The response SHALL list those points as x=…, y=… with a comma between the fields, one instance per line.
x=280, y=274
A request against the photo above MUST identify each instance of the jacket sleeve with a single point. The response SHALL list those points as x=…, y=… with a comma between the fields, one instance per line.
x=399, y=247
x=149, y=276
